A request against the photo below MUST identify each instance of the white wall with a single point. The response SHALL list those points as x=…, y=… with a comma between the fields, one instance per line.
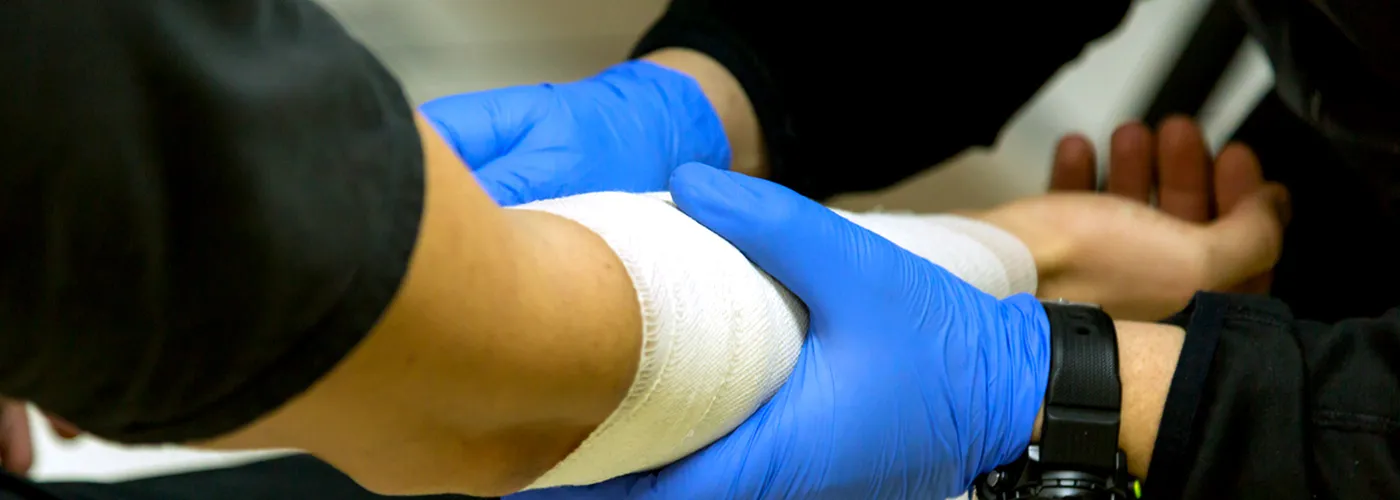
x=445, y=46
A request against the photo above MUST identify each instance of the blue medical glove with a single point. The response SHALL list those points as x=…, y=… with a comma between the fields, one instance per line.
x=910, y=384
x=625, y=129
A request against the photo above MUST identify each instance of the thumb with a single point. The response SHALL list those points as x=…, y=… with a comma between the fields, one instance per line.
x=825, y=260
x=1247, y=241
x=481, y=126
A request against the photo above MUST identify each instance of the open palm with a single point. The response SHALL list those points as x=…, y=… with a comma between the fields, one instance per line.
x=1172, y=167
x=1215, y=225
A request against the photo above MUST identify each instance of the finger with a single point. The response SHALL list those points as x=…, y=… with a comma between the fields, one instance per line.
x=1183, y=170
x=16, y=440
x=1130, y=162
x=1246, y=241
x=815, y=253
x=1237, y=174
x=482, y=126
x=1075, y=168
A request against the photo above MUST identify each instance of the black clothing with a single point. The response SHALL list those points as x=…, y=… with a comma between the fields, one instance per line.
x=233, y=185
x=298, y=477
x=837, y=86
x=1266, y=406
x=1263, y=404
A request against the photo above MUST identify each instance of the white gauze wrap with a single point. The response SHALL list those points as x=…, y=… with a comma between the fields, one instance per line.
x=720, y=336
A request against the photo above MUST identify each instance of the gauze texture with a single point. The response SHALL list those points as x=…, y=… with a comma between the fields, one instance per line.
x=720, y=336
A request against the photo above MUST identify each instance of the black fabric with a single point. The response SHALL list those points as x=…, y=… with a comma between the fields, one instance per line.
x=205, y=206
x=1342, y=235
x=854, y=99
x=1337, y=63
x=297, y=477
x=1286, y=409
x=1331, y=133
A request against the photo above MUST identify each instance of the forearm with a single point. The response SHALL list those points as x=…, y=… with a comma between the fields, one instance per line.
x=512, y=335
x=518, y=332
x=510, y=358
x=721, y=336
x=726, y=95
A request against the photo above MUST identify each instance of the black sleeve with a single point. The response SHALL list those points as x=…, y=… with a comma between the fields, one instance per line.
x=205, y=205
x=297, y=477
x=1262, y=406
x=854, y=99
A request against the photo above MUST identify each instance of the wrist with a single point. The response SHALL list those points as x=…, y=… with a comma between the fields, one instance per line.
x=1147, y=357
x=1050, y=249
x=729, y=103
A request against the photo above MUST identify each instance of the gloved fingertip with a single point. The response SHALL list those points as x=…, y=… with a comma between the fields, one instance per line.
x=505, y=183
x=719, y=199
x=701, y=181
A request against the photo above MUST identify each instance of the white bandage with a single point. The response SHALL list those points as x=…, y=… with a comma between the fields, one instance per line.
x=719, y=336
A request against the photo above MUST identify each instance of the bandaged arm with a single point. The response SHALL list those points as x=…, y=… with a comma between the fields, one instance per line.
x=718, y=335
x=573, y=340
x=512, y=349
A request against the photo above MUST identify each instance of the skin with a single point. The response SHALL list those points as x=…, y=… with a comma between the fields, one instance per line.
x=1176, y=164
x=731, y=103
x=1147, y=355
x=490, y=365
x=1173, y=166
x=494, y=361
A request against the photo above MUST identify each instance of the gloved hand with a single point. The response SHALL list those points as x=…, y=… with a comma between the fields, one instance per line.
x=910, y=384
x=625, y=129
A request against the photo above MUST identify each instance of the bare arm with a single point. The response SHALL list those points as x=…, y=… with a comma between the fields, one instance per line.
x=735, y=110
x=514, y=334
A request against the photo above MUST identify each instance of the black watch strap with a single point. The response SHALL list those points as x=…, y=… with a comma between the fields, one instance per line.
x=1083, y=400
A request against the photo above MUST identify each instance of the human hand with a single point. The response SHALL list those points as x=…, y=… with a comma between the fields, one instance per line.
x=1219, y=226
x=16, y=442
x=1174, y=165
x=625, y=129
x=910, y=383
x=16, y=439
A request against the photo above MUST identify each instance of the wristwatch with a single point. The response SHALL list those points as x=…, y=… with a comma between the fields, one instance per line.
x=1078, y=455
